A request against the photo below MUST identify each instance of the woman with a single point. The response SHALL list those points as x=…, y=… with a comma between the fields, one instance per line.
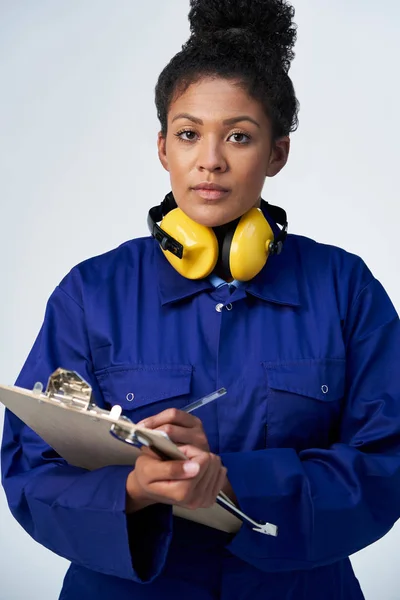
x=308, y=436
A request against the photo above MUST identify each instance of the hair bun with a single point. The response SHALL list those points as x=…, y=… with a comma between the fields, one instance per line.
x=270, y=20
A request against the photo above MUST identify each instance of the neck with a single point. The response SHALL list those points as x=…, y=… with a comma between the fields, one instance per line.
x=221, y=232
x=220, y=272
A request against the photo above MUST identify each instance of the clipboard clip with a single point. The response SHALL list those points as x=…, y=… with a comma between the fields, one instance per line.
x=69, y=388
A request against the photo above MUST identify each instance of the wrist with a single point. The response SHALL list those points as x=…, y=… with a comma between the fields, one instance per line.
x=135, y=498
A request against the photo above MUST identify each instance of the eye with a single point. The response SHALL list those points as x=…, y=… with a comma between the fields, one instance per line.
x=240, y=137
x=186, y=135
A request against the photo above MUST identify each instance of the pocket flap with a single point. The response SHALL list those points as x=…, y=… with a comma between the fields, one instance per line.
x=322, y=379
x=136, y=385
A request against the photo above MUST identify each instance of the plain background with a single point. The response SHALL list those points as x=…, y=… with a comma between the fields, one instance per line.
x=79, y=171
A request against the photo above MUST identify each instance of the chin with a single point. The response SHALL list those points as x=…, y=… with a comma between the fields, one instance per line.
x=212, y=222
x=211, y=219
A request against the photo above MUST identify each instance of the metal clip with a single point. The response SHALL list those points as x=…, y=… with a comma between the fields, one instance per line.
x=70, y=388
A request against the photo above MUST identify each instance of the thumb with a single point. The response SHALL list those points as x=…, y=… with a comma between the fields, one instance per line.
x=191, y=467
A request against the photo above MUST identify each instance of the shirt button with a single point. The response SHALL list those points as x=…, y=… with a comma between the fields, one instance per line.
x=324, y=389
x=130, y=397
x=219, y=307
x=229, y=306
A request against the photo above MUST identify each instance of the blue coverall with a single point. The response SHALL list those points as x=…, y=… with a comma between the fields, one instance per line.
x=309, y=351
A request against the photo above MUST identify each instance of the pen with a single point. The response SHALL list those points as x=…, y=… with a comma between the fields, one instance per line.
x=205, y=400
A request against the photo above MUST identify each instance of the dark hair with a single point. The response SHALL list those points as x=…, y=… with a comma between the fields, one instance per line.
x=250, y=41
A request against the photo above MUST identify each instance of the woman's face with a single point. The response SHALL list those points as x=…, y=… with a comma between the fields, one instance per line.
x=219, y=136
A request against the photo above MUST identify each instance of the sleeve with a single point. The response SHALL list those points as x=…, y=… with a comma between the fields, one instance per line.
x=330, y=503
x=78, y=514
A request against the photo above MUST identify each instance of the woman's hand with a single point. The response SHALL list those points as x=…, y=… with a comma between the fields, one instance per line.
x=194, y=483
x=181, y=427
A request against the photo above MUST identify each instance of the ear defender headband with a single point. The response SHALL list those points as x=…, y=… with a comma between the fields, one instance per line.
x=193, y=250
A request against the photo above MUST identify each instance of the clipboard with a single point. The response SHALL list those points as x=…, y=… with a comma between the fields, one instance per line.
x=67, y=418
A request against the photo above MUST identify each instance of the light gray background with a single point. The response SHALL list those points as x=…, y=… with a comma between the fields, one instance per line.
x=79, y=170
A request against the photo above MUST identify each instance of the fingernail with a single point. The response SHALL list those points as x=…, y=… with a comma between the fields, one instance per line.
x=191, y=468
x=142, y=424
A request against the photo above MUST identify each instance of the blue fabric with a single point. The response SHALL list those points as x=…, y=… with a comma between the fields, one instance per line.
x=309, y=430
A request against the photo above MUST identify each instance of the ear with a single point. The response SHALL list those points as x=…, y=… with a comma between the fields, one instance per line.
x=162, y=150
x=279, y=156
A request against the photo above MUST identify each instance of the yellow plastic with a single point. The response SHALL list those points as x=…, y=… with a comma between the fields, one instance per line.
x=250, y=245
x=200, y=246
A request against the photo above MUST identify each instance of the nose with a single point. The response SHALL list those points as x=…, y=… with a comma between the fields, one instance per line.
x=211, y=156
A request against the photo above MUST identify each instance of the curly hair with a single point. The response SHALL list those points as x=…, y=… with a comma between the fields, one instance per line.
x=249, y=41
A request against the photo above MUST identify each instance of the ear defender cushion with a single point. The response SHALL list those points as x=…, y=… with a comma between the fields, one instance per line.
x=249, y=248
x=200, y=245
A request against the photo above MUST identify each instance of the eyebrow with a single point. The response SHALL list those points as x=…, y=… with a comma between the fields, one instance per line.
x=231, y=121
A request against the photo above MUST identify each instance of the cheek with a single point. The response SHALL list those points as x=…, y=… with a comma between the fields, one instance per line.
x=252, y=174
x=178, y=169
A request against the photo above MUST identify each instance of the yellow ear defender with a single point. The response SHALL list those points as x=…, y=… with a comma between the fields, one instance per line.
x=200, y=245
x=193, y=249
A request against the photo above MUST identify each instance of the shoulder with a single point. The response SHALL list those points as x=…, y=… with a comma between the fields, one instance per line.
x=323, y=253
x=127, y=260
x=326, y=270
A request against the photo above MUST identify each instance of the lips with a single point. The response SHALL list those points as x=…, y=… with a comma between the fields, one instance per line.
x=205, y=185
x=210, y=191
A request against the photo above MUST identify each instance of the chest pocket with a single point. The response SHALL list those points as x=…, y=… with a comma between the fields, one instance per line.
x=145, y=390
x=304, y=404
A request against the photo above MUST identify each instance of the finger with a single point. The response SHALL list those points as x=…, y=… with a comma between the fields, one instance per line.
x=193, y=452
x=144, y=450
x=155, y=470
x=170, y=416
x=201, y=495
x=176, y=433
x=219, y=484
x=170, y=492
x=179, y=491
x=185, y=435
x=213, y=483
